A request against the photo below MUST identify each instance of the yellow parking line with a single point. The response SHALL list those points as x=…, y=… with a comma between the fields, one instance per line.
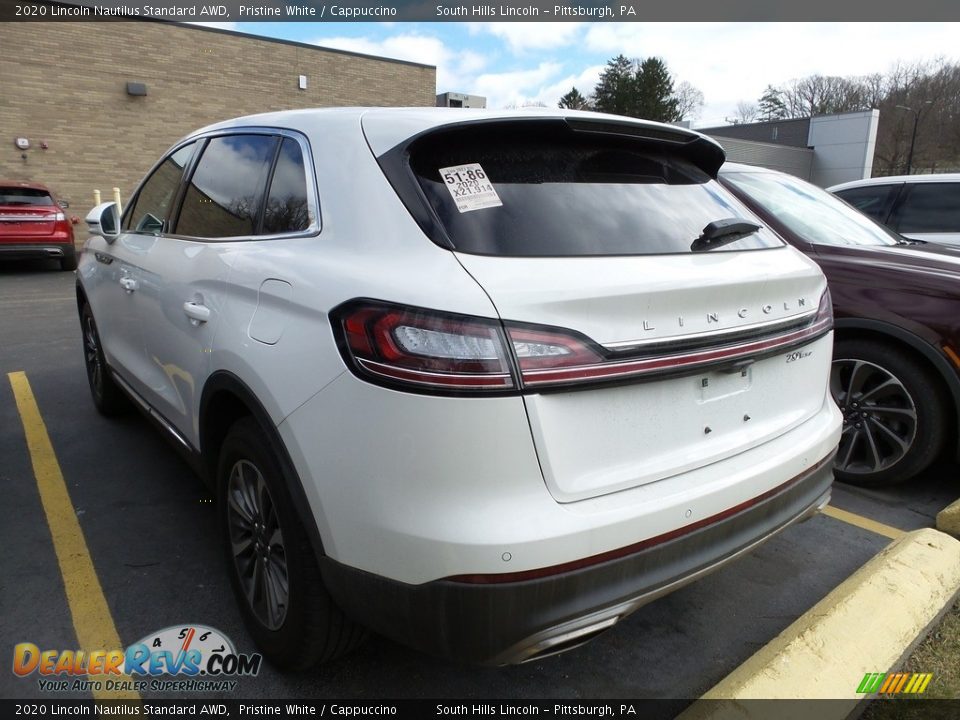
x=88, y=606
x=863, y=522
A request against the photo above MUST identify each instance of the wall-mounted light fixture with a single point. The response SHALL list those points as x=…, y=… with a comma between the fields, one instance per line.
x=22, y=143
x=136, y=88
x=303, y=82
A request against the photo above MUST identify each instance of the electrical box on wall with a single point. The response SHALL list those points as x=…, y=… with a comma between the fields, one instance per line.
x=303, y=82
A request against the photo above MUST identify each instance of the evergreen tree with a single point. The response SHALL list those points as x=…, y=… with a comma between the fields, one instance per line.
x=642, y=89
x=616, y=91
x=573, y=100
x=654, y=92
x=771, y=105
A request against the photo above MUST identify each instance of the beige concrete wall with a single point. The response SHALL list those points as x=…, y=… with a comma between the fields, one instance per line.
x=65, y=84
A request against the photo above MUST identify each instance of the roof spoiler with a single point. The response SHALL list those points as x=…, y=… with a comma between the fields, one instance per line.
x=702, y=151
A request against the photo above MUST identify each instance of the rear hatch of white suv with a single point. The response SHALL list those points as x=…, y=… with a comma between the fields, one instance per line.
x=655, y=326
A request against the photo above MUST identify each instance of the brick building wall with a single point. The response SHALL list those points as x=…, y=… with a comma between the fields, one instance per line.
x=64, y=84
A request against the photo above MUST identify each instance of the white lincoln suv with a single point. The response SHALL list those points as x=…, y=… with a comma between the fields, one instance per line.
x=483, y=382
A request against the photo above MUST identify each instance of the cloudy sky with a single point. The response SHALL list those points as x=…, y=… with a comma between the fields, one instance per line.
x=520, y=63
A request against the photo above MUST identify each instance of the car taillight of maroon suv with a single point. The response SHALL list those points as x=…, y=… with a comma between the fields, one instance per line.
x=33, y=225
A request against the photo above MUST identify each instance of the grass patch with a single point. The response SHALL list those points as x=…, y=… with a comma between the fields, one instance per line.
x=939, y=654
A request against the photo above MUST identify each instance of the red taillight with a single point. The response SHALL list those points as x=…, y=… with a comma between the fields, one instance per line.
x=584, y=364
x=440, y=352
x=424, y=348
x=542, y=349
x=62, y=224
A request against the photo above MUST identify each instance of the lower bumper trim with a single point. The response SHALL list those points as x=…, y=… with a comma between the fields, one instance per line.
x=32, y=252
x=513, y=622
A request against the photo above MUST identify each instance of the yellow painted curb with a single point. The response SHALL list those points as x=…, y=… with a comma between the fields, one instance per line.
x=948, y=519
x=866, y=624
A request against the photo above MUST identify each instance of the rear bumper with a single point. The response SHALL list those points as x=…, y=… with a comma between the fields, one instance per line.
x=511, y=622
x=37, y=250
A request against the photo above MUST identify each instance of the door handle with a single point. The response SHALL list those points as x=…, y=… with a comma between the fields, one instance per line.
x=197, y=312
x=129, y=284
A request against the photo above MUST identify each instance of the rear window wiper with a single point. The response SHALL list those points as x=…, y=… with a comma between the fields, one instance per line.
x=723, y=232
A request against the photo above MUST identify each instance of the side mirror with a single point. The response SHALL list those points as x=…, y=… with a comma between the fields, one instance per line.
x=104, y=220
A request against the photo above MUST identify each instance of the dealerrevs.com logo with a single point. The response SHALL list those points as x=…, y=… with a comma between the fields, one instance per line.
x=201, y=658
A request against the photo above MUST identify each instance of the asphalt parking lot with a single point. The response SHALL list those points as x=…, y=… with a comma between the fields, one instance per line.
x=149, y=527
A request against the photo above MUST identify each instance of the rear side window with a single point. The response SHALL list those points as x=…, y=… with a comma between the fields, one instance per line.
x=151, y=210
x=25, y=197
x=523, y=189
x=226, y=192
x=287, y=208
x=929, y=207
x=873, y=200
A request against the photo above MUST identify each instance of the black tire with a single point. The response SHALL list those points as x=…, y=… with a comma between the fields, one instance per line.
x=894, y=413
x=69, y=260
x=257, y=518
x=108, y=398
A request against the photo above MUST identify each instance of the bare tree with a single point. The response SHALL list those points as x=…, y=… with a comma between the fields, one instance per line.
x=689, y=101
x=924, y=95
x=746, y=113
x=823, y=95
x=526, y=104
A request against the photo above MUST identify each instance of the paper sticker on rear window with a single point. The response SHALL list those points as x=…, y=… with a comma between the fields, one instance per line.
x=469, y=187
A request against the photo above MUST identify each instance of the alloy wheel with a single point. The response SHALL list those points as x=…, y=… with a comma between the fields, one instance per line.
x=879, y=416
x=256, y=544
x=91, y=348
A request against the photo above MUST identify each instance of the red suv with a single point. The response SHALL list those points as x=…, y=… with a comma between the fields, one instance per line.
x=33, y=225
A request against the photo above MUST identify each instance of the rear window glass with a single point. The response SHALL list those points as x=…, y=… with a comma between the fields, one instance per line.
x=226, y=191
x=539, y=191
x=24, y=196
x=873, y=200
x=930, y=207
x=287, y=209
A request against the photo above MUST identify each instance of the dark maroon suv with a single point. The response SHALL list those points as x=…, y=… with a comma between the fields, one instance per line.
x=896, y=359
x=33, y=225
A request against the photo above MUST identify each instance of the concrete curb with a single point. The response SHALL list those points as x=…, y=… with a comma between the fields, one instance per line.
x=948, y=519
x=868, y=623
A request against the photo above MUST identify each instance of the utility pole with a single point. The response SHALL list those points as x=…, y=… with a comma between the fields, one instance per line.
x=913, y=138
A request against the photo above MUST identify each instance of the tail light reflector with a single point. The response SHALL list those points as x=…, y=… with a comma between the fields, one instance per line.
x=446, y=353
x=582, y=363
x=424, y=348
